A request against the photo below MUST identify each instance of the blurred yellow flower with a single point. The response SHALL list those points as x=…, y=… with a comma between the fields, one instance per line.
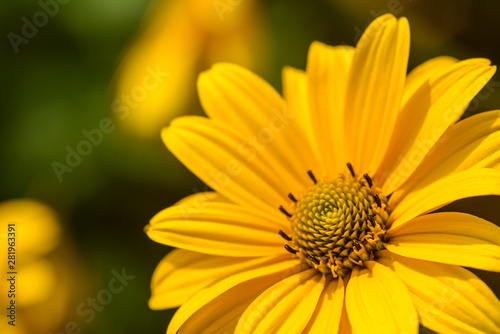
x=157, y=78
x=322, y=217
x=45, y=280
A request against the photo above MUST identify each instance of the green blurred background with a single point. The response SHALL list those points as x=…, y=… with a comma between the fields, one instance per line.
x=61, y=83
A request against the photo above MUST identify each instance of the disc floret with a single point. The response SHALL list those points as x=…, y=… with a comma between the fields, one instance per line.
x=339, y=223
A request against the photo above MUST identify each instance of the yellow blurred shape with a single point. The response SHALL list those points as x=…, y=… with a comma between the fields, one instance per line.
x=37, y=229
x=43, y=274
x=38, y=283
x=157, y=78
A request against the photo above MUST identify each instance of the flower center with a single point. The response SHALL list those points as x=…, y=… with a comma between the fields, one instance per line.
x=338, y=224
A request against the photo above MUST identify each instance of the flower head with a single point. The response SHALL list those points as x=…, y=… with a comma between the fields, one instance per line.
x=321, y=219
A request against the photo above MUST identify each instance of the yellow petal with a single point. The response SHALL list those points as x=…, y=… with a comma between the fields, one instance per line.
x=201, y=199
x=295, y=93
x=374, y=92
x=285, y=307
x=218, y=229
x=327, y=75
x=377, y=301
x=215, y=209
x=468, y=183
x=345, y=325
x=219, y=157
x=327, y=315
x=268, y=274
x=422, y=73
x=182, y=273
x=471, y=143
x=243, y=101
x=449, y=237
x=222, y=313
x=449, y=299
x=436, y=105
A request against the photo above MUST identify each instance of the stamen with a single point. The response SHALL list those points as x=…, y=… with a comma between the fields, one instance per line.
x=377, y=199
x=291, y=250
x=290, y=196
x=282, y=209
x=311, y=175
x=351, y=169
x=284, y=235
x=358, y=262
x=313, y=260
x=368, y=180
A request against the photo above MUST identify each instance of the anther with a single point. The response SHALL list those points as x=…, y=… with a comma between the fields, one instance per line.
x=282, y=209
x=351, y=169
x=284, y=235
x=290, y=196
x=311, y=175
x=313, y=260
x=377, y=199
x=291, y=250
x=368, y=180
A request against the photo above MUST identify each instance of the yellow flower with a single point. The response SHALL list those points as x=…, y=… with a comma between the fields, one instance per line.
x=321, y=220
x=157, y=79
x=43, y=273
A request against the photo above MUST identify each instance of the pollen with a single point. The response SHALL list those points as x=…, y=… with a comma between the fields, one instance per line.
x=339, y=223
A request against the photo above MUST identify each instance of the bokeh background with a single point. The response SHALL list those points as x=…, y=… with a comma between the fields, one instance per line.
x=69, y=75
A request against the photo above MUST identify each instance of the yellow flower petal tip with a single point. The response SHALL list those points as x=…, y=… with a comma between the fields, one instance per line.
x=321, y=215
